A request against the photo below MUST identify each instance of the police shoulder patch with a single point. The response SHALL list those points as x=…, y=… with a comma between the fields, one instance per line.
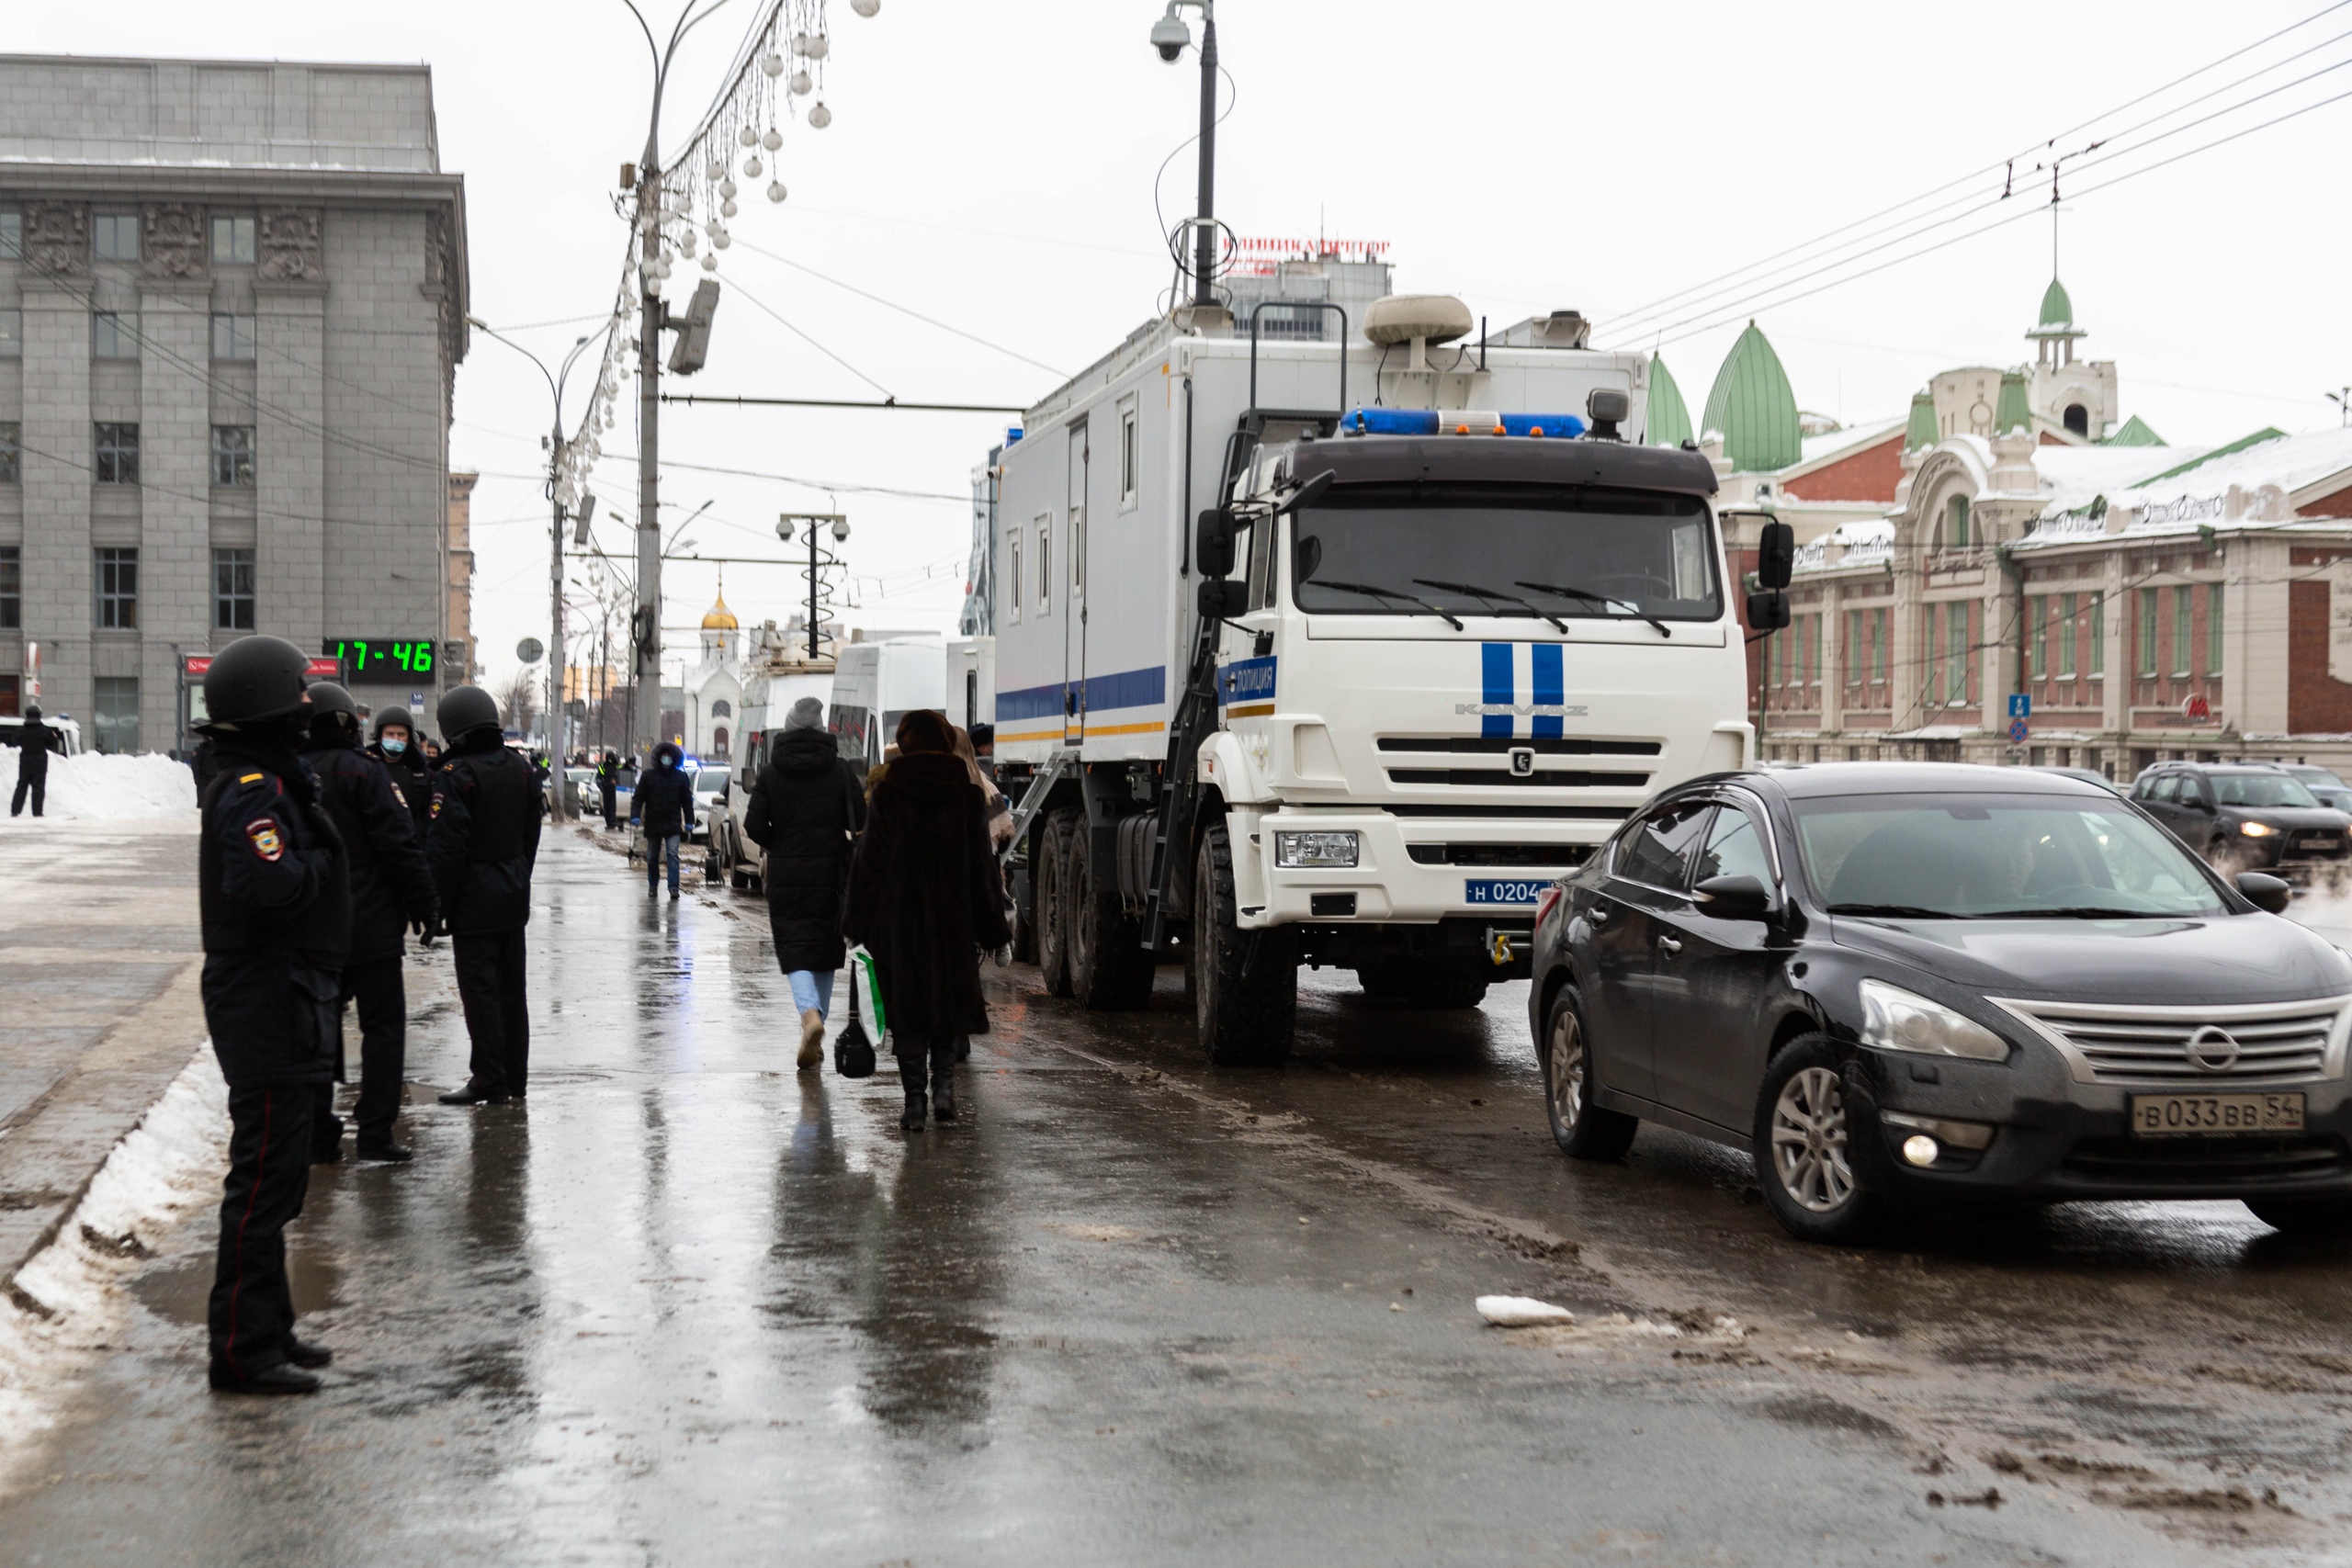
x=263, y=834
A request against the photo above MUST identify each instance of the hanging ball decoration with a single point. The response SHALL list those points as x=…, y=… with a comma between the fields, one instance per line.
x=865, y=7
x=726, y=189
x=772, y=64
x=686, y=242
x=750, y=168
x=726, y=209
x=801, y=43
x=773, y=139
x=711, y=261
x=714, y=170
x=820, y=116
x=747, y=136
x=818, y=47
x=776, y=190
x=801, y=83
x=711, y=229
x=722, y=240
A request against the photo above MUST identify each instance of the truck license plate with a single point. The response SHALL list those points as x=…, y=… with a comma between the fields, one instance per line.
x=2205, y=1115
x=1503, y=890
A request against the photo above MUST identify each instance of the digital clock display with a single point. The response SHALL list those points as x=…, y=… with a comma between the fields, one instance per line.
x=367, y=658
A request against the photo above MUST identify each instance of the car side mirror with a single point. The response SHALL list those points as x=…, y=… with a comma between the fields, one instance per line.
x=1734, y=898
x=2270, y=894
x=1768, y=611
x=2197, y=803
x=1223, y=596
x=1775, y=555
x=1213, y=544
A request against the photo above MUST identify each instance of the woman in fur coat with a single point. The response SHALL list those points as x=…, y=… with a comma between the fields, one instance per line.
x=923, y=899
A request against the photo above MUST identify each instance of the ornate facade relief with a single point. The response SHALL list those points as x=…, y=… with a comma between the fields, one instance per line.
x=57, y=238
x=292, y=245
x=173, y=240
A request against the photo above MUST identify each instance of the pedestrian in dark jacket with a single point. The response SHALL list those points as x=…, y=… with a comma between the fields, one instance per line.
x=34, y=742
x=391, y=893
x=665, y=805
x=484, y=843
x=272, y=895
x=608, y=784
x=395, y=745
x=806, y=811
x=923, y=899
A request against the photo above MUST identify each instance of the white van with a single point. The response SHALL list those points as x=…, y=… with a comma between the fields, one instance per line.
x=876, y=684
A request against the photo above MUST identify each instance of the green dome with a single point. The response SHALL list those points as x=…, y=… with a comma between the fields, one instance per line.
x=1669, y=416
x=2136, y=432
x=2057, y=310
x=1921, y=430
x=2012, y=412
x=1753, y=407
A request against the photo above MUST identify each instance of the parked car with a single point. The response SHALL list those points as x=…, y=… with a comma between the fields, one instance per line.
x=2325, y=787
x=1897, y=982
x=2252, y=813
x=711, y=785
x=2086, y=776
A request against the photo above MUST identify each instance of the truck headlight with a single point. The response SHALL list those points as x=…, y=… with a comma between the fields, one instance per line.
x=1894, y=1020
x=2256, y=830
x=1296, y=851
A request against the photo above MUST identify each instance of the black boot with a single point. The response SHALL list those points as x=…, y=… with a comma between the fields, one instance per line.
x=912, y=1069
x=942, y=1080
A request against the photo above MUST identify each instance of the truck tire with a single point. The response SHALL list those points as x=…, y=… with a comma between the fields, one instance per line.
x=1049, y=875
x=1024, y=920
x=1245, y=983
x=1382, y=984
x=1109, y=970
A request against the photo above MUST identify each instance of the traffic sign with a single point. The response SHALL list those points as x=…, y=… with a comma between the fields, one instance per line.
x=2020, y=704
x=2017, y=731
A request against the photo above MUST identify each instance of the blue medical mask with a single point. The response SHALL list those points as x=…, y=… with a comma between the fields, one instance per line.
x=665, y=761
x=393, y=748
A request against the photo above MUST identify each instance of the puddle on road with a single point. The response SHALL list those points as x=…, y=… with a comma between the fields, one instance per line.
x=180, y=1290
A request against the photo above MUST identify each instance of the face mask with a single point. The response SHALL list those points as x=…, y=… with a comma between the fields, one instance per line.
x=665, y=761
x=394, y=748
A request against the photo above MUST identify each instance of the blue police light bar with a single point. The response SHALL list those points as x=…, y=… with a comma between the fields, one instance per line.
x=1547, y=424
x=1430, y=421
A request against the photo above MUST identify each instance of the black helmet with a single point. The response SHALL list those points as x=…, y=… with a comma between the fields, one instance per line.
x=332, y=713
x=255, y=678
x=465, y=709
x=32, y=710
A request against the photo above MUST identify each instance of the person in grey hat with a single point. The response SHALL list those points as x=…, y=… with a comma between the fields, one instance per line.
x=806, y=809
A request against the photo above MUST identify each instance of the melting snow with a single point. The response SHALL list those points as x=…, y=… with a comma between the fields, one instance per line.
x=112, y=787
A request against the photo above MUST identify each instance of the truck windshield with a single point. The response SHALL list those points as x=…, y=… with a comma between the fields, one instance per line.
x=1527, y=550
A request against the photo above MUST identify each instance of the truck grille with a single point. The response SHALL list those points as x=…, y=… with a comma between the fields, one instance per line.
x=1500, y=854
x=2192, y=1046
x=1544, y=778
x=1499, y=745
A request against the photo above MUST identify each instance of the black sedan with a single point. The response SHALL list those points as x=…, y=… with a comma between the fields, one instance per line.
x=2246, y=813
x=1904, y=983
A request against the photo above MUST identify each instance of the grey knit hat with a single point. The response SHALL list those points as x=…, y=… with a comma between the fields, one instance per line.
x=809, y=713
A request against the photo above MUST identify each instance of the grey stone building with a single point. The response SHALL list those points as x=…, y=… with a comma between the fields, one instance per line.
x=233, y=298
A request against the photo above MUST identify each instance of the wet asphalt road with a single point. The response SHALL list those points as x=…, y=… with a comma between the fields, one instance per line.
x=689, y=1307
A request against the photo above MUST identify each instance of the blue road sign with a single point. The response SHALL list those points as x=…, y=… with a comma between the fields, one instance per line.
x=2020, y=704
x=2017, y=732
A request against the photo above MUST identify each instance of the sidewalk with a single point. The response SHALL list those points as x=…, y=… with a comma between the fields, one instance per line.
x=99, y=1006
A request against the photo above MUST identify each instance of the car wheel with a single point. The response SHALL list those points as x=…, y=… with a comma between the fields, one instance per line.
x=2318, y=1218
x=1807, y=1144
x=1582, y=1129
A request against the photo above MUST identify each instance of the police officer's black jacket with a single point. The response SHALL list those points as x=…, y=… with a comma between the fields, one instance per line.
x=411, y=778
x=34, y=739
x=390, y=886
x=275, y=897
x=485, y=836
x=665, y=801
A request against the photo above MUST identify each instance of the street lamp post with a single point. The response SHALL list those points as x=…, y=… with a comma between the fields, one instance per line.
x=1170, y=35
x=816, y=523
x=556, y=380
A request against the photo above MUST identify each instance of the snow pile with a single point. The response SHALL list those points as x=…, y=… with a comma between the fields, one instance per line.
x=1521, y=1312
x=69, y=1302
x=110, y=786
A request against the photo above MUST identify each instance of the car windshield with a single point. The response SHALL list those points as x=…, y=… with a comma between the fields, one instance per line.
x=2259, y=789
x=2317, y=776
x=1516, y=550
x=1986, y=856
x=710, y=781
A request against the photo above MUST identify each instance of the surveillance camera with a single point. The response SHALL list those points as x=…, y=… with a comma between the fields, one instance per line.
x=1171, y=36
x=784, y=530
x=841, y=529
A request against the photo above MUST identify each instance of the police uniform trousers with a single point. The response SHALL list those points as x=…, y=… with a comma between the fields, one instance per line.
x=498, y=1014
x=38, y=788
x=373, y=987
x=269, y=1173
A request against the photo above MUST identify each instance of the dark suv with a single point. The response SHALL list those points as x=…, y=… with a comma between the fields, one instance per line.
x=2252, y=813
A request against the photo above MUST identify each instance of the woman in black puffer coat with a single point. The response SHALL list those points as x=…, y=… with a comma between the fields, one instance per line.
x=806, y=811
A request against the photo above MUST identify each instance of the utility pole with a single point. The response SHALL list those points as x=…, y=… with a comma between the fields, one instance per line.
x=1170, y=35
x=816, y=521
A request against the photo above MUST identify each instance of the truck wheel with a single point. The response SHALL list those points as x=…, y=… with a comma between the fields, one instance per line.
x=1048, y=875
x=1245, y=983
x=1382, y=984
x=1024, y=922
x=1582, y=1129
x=1109, y=970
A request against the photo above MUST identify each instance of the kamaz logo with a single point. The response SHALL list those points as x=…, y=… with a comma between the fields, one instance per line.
x=1523, y=763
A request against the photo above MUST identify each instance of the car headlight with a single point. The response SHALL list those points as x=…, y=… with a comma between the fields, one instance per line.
x=2256, y=830
x=1894, y=1020
x=1294, y=851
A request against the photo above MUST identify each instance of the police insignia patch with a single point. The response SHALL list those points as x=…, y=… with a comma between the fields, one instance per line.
x=263, y=834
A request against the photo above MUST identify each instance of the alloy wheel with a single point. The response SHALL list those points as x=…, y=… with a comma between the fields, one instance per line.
x=1566, y=1085
x=1809, y=1151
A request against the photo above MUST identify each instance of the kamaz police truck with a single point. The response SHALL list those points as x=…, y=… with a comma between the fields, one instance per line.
x=1338, y=649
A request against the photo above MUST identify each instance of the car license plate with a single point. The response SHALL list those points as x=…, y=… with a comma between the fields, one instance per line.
x=1514, y=890
x=2210, y=1115
x=2323, y=846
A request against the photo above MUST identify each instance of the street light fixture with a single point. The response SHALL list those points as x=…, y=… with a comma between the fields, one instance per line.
x=1170, y=35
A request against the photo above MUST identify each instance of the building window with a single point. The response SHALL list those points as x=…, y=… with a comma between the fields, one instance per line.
x=12, y=333
x=722, y=708
x=2065, y=637
x=1878, y=648
x=232, y=590
x=11, y=234
x=1013, y=549
x=1812, y=651
x=12, y=452
x=118, y=574
x=2037, y=639
x=2099, y=635
x=2182, y=619
x=115, y=236
x=1130, y=459
x=2079, y=419
x=2147, y=631
x=1957, y=641
x=1956, y=523
x=114, y=334
x=232, y=337
x=1046, y=564
x=1853, y=651
x=718, y=742
x=232, y=455
x=232, y=239
x=12, y=586
x=1932, y=665
x=2214, y=629
x=117, y=713
x=118, y=454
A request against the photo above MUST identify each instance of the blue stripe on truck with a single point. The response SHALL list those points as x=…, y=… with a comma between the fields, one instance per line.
x=1496, y=661
x=1125, y=689
x=1551, y=687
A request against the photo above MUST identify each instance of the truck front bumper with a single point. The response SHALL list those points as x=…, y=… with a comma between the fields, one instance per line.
x=1389, y=886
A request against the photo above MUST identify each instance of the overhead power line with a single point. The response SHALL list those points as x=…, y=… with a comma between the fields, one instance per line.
x=891, y=403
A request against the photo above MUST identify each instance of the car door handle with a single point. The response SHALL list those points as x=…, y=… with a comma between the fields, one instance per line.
x=1669, y=946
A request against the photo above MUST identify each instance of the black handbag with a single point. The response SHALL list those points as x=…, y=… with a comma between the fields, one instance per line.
x=853, y=1052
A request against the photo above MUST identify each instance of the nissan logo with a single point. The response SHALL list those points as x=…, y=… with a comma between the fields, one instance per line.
x=2212, y=1050
x=1522, y=762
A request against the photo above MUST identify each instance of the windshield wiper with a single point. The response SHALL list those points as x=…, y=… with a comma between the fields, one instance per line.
x=1368, y=590
x=1589, y=597
x=1491, y=597
x=2078, y=912
x=1895, y=911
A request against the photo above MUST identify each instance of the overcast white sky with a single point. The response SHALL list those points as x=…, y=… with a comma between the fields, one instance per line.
x=991, y=165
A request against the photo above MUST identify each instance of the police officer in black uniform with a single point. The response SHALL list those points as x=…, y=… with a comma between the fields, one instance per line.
x=34, y=740
x=391, y=892
x=483, y=844
x=397, y=747
x=274, y=892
